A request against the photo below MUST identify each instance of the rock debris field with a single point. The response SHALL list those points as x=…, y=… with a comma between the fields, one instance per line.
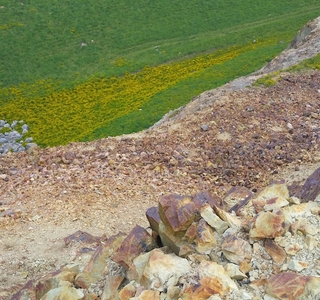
x=213, y=204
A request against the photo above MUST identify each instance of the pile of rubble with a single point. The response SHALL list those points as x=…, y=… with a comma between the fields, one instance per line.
x=246, y=245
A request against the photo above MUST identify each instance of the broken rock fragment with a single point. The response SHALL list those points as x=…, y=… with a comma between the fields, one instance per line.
x=236, y=250
x=268, y=225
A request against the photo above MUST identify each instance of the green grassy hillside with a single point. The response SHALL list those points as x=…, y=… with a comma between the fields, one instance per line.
x=138, y=60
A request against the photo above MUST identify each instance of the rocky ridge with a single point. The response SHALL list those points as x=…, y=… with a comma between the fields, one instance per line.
x=229, y=137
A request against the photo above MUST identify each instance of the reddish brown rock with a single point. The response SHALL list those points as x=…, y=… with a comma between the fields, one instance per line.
x=311, y=189
x=204, y=197
x=177, y=212
x=191, y=233
x=153, y=218
x=137, y=241
x=236, y=198
x=96, y=266
x=277, y=253
x=268, y=225
x=128, y=291
x=287, y=285
x=82, y=237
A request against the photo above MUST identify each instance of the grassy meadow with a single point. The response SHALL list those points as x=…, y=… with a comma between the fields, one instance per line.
x=92, y=69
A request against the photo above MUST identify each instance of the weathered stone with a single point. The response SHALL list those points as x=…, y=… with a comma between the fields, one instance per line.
x=236, y=199
x=212, y=280
x=268, y=225
x=274, y=191
x=234, y=272
x=128, y=291
x=294, y=211
x=230, y=218
x=111, y=286
x=177, y=212
x=52, y=281
x=81, y=237
x=212, y=219
x=296, y=265
x=148, y=295
x=236, y=250
x=204, y=197
x=173, y=240
x=95, y=268
x=153, y=218
x=205, y=239
x=276, y=252
x=137, y=241
x=311, y=189
x=191, y=233
x=158, y=269
x=304, y=227
x=64, y=291
x=287, y=285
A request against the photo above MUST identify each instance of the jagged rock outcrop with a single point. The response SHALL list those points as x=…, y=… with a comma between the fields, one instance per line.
x=269, y=248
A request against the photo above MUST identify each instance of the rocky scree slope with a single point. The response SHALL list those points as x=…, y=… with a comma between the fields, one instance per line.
x=238, y=137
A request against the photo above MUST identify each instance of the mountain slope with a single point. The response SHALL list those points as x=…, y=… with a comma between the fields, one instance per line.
x=225, y=137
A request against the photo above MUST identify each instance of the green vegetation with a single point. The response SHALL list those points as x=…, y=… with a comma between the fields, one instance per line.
x=81, y=71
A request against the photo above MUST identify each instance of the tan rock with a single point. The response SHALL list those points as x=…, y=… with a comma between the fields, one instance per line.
x=274, y=191
x=158, y=269
x=230, y=218
x=205, y=239
x=137, y=241
x=111, y=286
x=277, y=253
x=298, y=210
x=128, y=291
x=191, y=233
x=293, y=249
x=268, y=225
x=245, y=267
x=234, y=272
x=236, y=250
x=212, y=219
x=212, y=280
x=148, y=295
x=94, y=270
x=64, y=291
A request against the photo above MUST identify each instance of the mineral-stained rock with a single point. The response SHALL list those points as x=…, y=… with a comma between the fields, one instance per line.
x=204, y=197
x=191, y=233
x=64, y=291
x=294, y=211
x=128, y=291
x=205, y=239
x=97, y=264
x=153, y=218
x=275, y=251
x=174, y=240
x=137, y=241
x=111, y=286
x=311, y=189
x=177, y=212
x=212, y=280
x=81, y=237
x=268, y=225
x=213, y=220
x=236, y=250
x=291, y=286
x=236, y=198
x=231, y=219
x=158, y=269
